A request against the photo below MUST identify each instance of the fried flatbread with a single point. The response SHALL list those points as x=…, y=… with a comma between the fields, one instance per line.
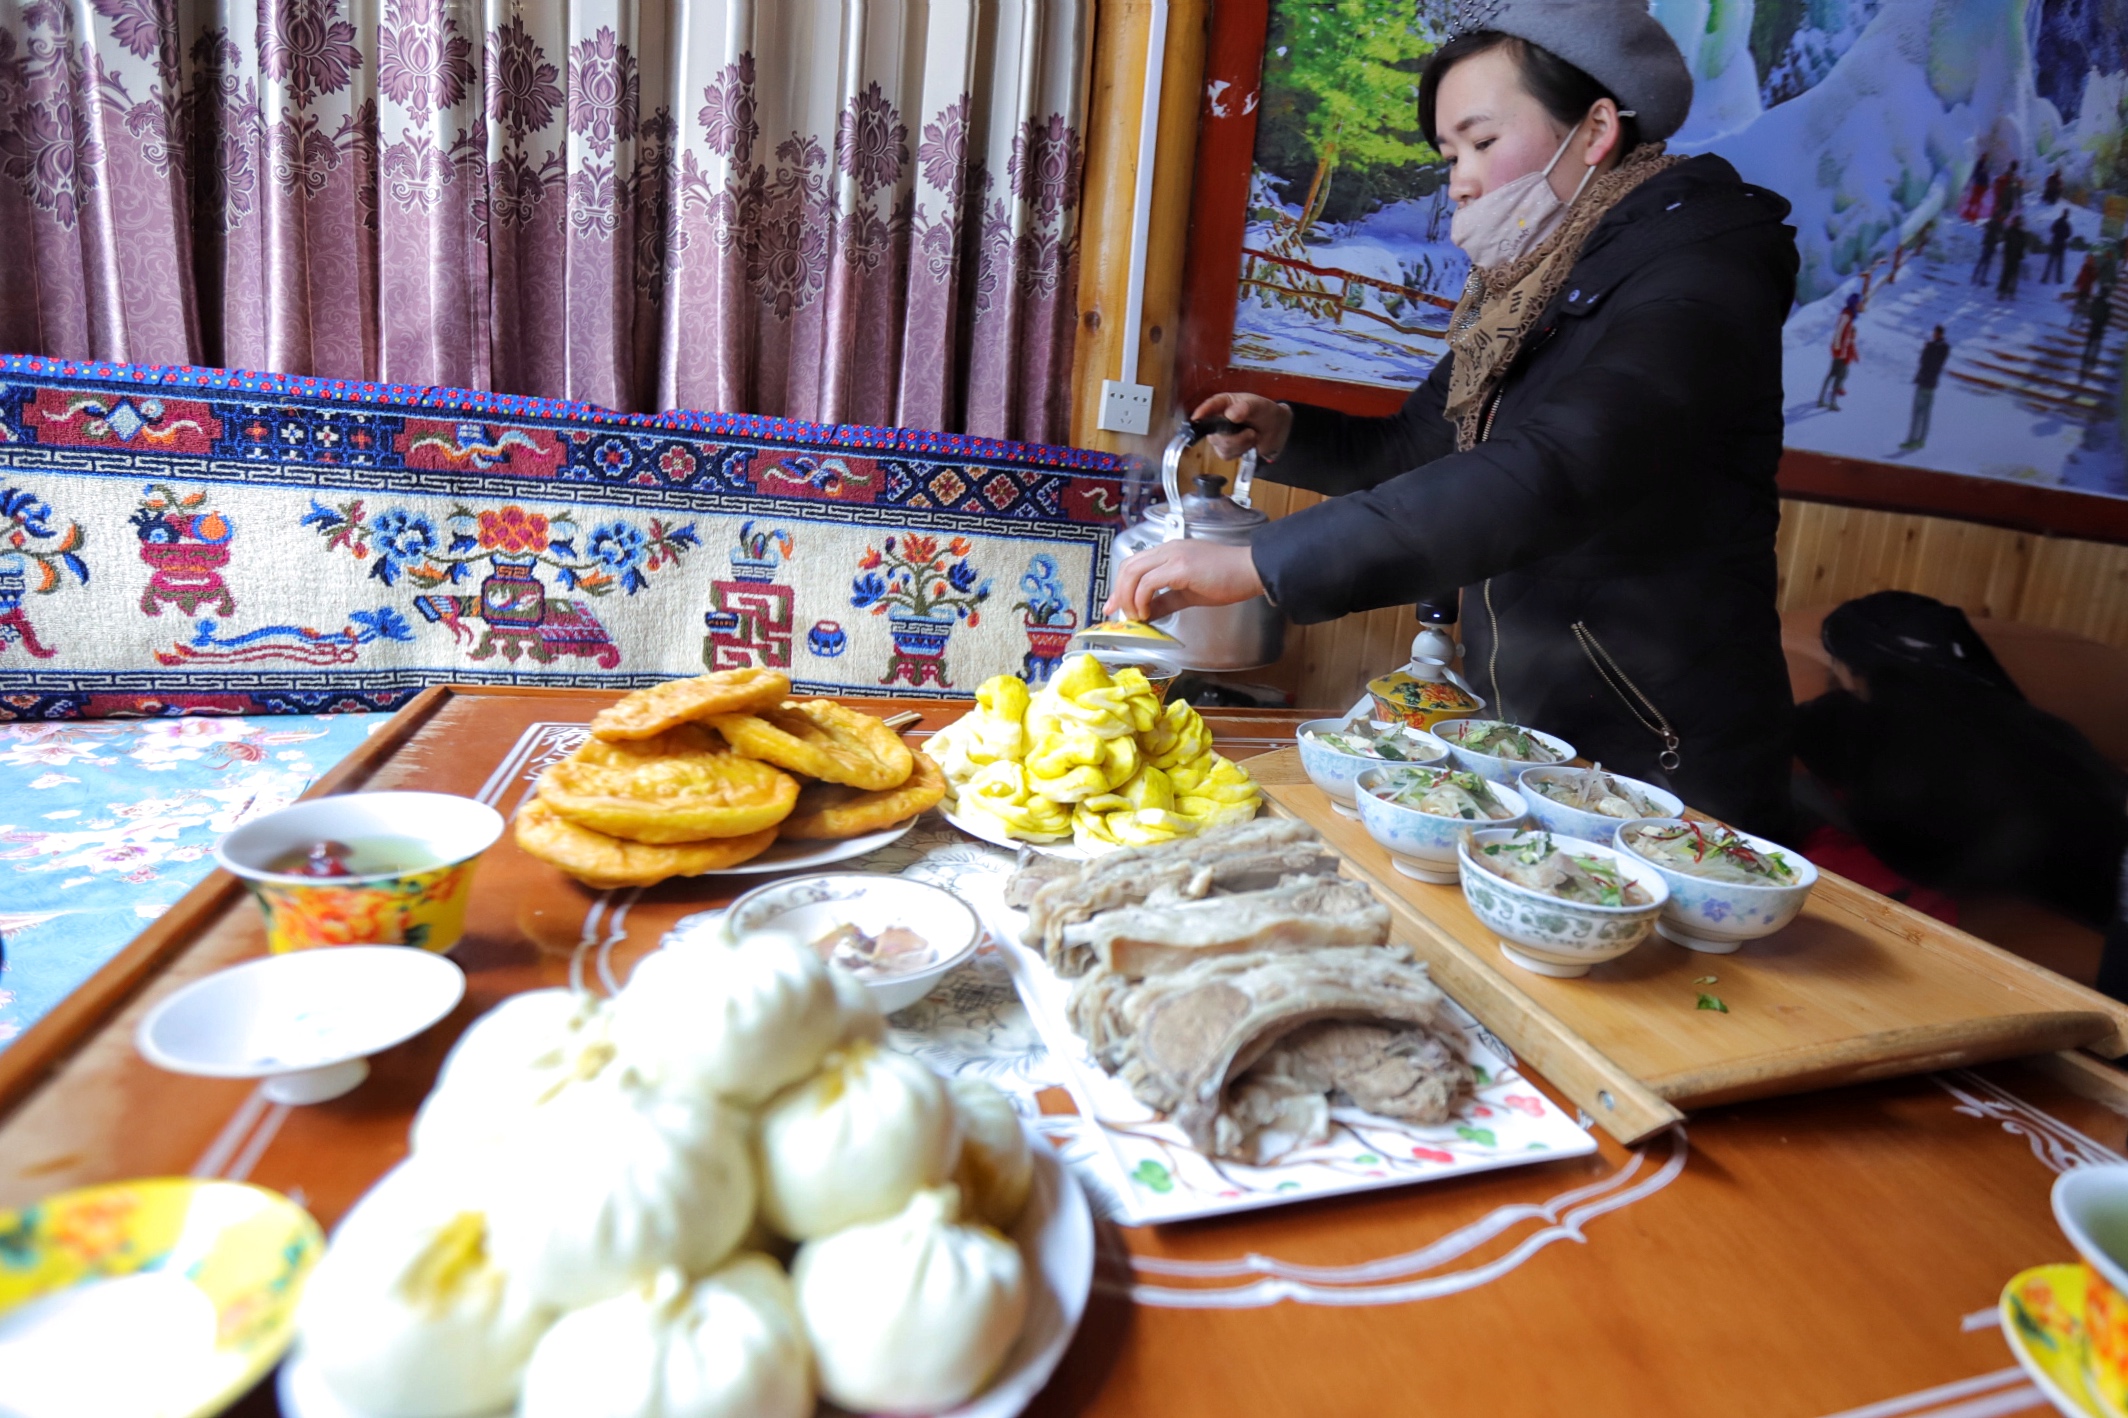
x=684, y=785
x=822, y=739
x=652, y=711
x=604, y=862
x=834, y=810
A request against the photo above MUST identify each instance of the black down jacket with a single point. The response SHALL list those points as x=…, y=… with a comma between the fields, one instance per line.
x=1626, y=487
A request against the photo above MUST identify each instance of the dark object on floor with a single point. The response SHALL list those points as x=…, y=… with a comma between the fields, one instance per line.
x=1949, y=774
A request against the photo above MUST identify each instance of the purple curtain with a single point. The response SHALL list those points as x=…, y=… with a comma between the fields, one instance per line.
x=846, y=210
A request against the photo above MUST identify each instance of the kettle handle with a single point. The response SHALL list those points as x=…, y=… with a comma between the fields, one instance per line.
x=1242, y=479
x=1171, y=483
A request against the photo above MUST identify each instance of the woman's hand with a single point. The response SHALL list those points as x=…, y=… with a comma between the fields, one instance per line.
x=1163, y=579
x=1266, y=424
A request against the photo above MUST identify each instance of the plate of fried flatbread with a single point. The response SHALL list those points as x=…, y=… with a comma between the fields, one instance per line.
x=724, y=772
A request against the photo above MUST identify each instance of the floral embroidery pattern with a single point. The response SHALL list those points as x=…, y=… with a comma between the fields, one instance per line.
x=423, y=62
x=729, y=113
x=307, y=45
x=25, y=521
x=433, y=552
x=921, y=577
x=522, y=94
x=603, y=90
x=872, y=143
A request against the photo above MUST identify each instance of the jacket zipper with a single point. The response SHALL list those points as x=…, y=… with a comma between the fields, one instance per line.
x=1615, y=679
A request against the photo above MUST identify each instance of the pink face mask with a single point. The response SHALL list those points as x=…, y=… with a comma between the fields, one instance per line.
x=1512, y=218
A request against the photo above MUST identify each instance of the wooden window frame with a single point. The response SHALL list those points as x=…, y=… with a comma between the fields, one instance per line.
x=1226, y=145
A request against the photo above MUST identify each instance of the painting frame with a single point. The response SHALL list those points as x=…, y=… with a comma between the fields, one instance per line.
x=1226, y=144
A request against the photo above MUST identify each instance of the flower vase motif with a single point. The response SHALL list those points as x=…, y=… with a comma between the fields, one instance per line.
x=185, y=546
x=513, y=597
x=1048, y=617
x=924, y=586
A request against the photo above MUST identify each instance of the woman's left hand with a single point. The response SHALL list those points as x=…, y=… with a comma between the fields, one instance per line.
x=1163, y=579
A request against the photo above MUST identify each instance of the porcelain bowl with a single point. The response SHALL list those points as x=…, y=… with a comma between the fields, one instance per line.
x=1580, y=822
x=422, y=906
x=1542, y=933
x=1717, y=917
x=1421, y=845
x=1335, y=772
x=2091, y=1207
x=807, y=908
x=1486, y=765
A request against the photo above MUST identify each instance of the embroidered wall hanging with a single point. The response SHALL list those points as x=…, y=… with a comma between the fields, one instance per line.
x=181, y=540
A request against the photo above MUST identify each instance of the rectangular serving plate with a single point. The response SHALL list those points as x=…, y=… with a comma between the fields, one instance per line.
x=1157, y=1176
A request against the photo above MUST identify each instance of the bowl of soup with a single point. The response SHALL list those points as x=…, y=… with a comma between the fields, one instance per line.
x=363, y=868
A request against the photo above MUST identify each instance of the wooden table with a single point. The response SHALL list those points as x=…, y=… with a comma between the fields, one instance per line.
x=1797, y=1257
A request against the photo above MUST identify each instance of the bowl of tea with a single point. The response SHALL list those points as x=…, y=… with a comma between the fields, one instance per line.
x=363, y=868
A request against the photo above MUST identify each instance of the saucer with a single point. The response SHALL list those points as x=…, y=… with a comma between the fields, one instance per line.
x=305, y=1022
x=194, y=1283
x=2042, y=1313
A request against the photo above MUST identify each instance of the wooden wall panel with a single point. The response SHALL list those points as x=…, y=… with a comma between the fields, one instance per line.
x=1828, y=554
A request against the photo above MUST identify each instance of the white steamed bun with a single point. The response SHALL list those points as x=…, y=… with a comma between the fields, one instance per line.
x=914, y=1313
x=409, y=1315
x=511, y=1059
x=740, y=1020
x=728, y=1346
x=612, y=1181
x=854, y=1141
x=996, y=1169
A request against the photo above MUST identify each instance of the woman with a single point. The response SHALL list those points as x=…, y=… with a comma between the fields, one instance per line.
x=1592, y=462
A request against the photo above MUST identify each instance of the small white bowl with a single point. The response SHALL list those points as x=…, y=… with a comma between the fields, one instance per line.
x=806, y=908
x=1717, y=917
x=1335, y=772
x=1422, y=845
x=305, y=1022
x=2091, y=1206
x=1580, y=822
x=1486, y=765
x=1544, y=934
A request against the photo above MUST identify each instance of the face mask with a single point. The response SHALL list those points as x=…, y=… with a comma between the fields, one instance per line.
x=1513, y=217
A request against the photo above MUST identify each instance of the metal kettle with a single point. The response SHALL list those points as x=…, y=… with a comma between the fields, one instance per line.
x=1243, y=636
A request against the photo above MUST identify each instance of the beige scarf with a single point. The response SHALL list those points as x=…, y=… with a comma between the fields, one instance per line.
x=1500, y=305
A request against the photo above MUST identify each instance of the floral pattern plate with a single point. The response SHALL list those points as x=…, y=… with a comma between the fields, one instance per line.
x=2042, y=1313
x=1148, y=1166
x=196, y=1281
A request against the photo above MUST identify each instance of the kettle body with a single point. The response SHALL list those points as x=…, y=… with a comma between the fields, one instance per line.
x=1246, y=635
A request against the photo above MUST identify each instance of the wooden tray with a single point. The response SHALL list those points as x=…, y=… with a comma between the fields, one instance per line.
x=1859, y=987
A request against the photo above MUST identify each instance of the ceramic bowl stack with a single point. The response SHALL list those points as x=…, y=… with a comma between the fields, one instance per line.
x=1421, y=845
x=1336, y=772
x=1547, y=934
x=1490, y=766
x=1559, y=817
x=1717, y=917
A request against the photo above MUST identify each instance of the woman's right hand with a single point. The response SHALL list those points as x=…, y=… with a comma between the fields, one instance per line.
x=1265, y=424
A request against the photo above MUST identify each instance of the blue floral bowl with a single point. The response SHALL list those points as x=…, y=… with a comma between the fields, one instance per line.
x=1540, y=932
x=1336, y=772
x=1486, y=765
x=1717, y=917
x=1580, y=822
x=1421, y=844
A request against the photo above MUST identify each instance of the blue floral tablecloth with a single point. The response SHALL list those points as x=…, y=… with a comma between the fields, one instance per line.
x=104, y=824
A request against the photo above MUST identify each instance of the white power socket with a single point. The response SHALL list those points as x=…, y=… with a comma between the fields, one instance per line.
x=1126, y=408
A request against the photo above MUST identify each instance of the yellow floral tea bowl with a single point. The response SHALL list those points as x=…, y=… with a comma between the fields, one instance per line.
x=400, y=868
x=2091, y=1206
x=166, y=1295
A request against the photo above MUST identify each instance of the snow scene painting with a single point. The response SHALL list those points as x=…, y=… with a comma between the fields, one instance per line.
x=1960, y=184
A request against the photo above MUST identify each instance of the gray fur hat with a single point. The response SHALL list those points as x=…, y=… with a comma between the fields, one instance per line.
x=1616, y=42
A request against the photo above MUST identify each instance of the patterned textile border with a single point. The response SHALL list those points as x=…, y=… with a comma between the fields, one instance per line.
x=178, y=540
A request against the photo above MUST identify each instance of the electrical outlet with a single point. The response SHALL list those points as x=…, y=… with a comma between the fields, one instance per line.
x=1126, y=408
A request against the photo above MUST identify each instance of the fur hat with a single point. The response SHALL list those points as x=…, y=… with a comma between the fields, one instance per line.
x=1615, y=42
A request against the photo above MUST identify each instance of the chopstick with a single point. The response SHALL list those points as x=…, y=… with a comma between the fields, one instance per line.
x=903, y=720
